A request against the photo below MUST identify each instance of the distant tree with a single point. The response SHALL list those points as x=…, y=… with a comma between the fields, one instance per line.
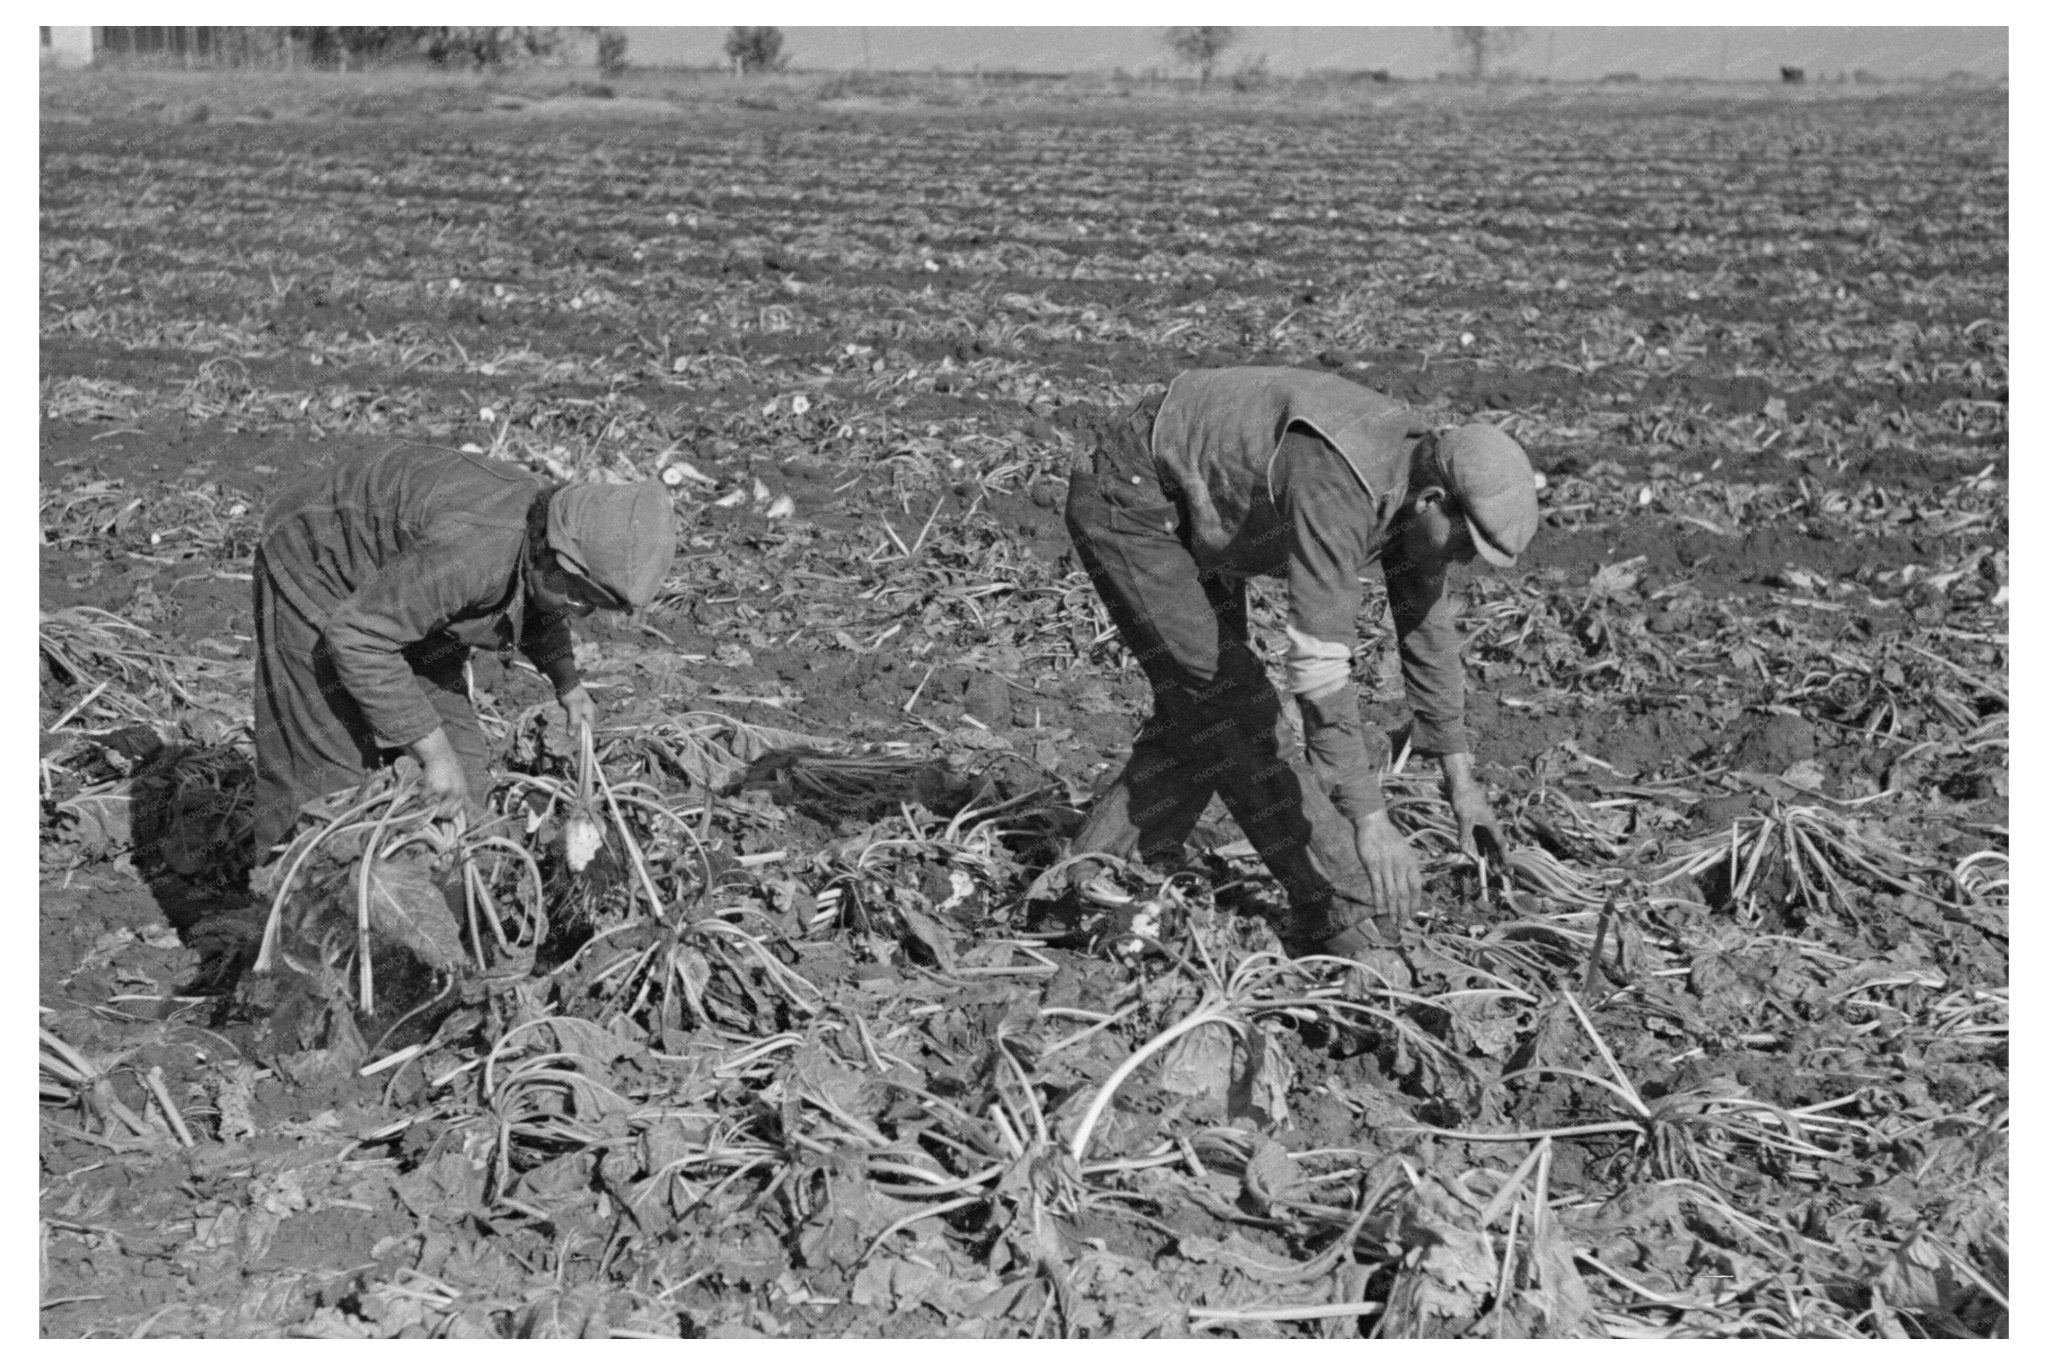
x=1255, y=74
x=1482, y=45
x=611, y=51
x=1201, y=47
x=489, y=46
x=755, y=48
x=339, y=45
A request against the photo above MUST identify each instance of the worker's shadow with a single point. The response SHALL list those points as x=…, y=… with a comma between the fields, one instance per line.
x=190, y=814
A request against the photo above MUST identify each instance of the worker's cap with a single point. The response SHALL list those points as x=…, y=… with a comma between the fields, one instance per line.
x=620, y=536
x=1490, y=477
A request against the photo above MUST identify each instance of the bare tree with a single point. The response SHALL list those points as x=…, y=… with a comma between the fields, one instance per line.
x=1483, y=45
x=611, y=51
x=755, y=48
x=1201, y=47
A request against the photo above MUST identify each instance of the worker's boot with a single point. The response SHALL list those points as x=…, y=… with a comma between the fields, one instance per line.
x=1144, y=816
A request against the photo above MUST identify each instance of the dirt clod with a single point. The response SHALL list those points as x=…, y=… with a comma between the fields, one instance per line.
x=804, y=1040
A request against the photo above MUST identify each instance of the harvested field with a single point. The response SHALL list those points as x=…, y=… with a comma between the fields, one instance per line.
x=1726, y=1056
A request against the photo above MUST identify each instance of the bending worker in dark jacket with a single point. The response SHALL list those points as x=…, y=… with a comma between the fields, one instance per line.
x=376, y=577
x=1304, y=476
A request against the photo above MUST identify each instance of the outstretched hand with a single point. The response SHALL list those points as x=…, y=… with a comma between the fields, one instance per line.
x=442, y=777
x=1392, y=867
x=578, y=709
x=447, y=787
x=1478, y=831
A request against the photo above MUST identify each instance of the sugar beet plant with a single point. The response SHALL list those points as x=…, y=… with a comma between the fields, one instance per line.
x=756, y=1009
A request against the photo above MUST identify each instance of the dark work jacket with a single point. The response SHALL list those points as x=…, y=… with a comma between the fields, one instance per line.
x=1218, y=432
x=415, y=547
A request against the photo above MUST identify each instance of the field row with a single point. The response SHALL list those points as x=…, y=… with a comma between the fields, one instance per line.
x=808, y=1047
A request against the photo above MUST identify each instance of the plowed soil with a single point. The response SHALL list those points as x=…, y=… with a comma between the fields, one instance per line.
x=1756, y=346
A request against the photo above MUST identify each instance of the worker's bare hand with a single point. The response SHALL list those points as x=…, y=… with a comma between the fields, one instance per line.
x=1478, y=831
x=1392, y=867
x=447, y=787
x=442, y=775
x=579, y=709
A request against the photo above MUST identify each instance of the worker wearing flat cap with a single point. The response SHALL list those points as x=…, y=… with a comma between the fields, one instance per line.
x=1303, y=476
x=377, y=576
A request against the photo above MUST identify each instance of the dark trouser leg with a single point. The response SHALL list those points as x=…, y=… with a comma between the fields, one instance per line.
x=1147, y=581
x=310, y=737
x=1215, y=725
x=1287, y=817
x=1299, y=835
x=1152, y=806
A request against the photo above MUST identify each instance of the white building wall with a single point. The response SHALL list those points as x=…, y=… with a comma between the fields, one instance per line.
x=69, y=46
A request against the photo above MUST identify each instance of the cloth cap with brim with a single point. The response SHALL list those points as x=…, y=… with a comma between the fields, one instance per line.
x=620, y=536
x=1490, y=477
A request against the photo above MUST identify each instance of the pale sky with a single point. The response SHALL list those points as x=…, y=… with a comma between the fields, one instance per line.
x=1565, y=53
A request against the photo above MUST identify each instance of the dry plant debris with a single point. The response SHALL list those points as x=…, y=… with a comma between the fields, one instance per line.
x=734, y=1017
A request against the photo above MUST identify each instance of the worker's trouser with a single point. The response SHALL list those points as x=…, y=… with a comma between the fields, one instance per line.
x=1215, y=723
x=311, y=737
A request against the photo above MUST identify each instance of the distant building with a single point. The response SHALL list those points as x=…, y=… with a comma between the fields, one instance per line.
x=190, y=45
x=67, y=46
x=159, y=45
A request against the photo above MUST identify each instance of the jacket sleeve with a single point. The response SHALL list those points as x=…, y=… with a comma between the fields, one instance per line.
x=1426, y=624
x=547, y=644
x=409, y=598
x=1329, y=520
